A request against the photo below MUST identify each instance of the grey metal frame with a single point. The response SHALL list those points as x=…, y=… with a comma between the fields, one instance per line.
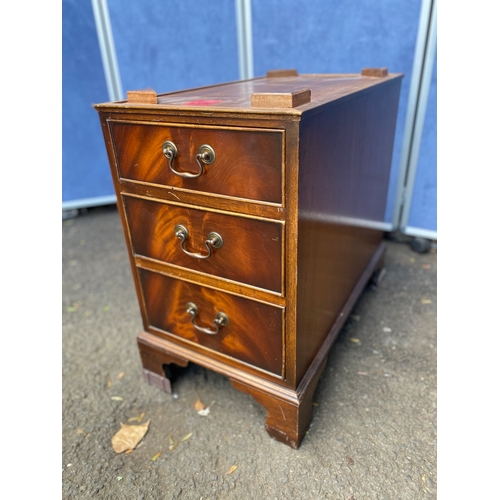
x=243, y=10
x=423, y=64
x=107, y=46
x=113, y=84
x=95, y=201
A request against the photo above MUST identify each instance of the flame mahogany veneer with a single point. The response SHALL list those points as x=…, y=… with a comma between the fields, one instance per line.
x=295, y=197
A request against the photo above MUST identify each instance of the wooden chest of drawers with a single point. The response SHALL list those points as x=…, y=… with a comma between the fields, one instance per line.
x=252, y=213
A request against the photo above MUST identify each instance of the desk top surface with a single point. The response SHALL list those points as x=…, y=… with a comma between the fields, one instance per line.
x=236, y=96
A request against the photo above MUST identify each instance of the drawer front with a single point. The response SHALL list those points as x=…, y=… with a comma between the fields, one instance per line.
x=250, y=252
x=248, y=163
x=254, y=332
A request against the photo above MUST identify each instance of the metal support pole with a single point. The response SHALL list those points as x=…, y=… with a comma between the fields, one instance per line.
x=245, y=43
x=107, y=46
x=426, y=80
x=417, y=102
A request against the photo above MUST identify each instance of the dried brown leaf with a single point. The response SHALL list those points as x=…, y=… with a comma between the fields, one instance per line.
x=199, y=405
x=129, y=436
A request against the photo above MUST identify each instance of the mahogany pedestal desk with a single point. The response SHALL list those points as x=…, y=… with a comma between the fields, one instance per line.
x=252, y=213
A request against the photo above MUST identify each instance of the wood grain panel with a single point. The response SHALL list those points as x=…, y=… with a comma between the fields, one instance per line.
x=344, y=176
x=247, y=165
x=236, y=95
x=332, y=270
x=254, y=333
x=186, y=197
x=251, y=252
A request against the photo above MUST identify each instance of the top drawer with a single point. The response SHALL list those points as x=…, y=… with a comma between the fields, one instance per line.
x=247, y=163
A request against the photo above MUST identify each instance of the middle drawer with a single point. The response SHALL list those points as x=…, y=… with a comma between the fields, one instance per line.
x=236, y=248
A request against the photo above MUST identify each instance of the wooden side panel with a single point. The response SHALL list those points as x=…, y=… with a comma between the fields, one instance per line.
x=254, y=333
x=345, y=160
x=247, y=164
x=251, y=250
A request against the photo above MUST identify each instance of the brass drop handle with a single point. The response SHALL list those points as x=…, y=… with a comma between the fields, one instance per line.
x=205, y=156
x=220, y=320
x=214, y=240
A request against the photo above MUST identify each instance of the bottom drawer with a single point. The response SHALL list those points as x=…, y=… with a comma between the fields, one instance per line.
x=253, y=333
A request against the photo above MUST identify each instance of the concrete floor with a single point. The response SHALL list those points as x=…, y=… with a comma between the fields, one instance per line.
x=373, y=432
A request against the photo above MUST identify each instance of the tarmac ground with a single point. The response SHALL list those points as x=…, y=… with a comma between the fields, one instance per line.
x=373, y=431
